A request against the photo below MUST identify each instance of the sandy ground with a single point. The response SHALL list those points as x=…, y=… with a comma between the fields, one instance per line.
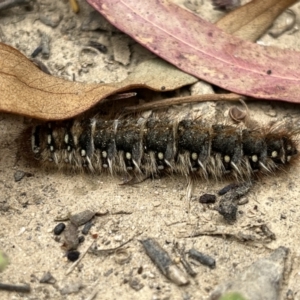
x=154, y=208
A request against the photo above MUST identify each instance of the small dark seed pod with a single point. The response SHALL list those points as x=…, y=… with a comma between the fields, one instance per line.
x=36, y=51
x=86, y=228
x=202, y=258
x=81, y=239
x=73, y=255
x=59, y=228
x=207, y=198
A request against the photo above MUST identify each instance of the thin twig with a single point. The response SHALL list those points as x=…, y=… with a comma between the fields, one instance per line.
x=180, y=100
x=15, y=288
x=94, y=291
x=111, y=250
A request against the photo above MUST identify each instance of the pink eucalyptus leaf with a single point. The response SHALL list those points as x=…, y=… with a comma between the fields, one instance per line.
x=205, y=51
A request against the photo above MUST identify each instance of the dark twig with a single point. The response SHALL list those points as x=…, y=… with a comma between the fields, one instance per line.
x=15, y=288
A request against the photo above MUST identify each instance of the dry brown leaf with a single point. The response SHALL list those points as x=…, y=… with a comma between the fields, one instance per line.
x=249, y=22
x=28, y=91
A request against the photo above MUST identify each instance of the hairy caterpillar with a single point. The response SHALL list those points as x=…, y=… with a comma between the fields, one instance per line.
x=144, y=147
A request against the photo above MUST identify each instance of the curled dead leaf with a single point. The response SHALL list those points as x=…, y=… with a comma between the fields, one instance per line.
x=28, y=91
x=250, y=21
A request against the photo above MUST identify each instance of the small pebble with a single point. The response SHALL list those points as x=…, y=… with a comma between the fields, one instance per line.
x=282, y=217
x=71, y=288
x=228, y=209
x=243, y=201
x=135, y=284
x=156, y=203
x=108, y=272
x=82, y=217
x=48, y=278
x=81, y=239
x=51, y=20
x=71, y=237
x=59, y=228
x=19, y=175
x=118, y=238
x=207, y=198
x=45, y=44
x=73, y=255
x=95, y=21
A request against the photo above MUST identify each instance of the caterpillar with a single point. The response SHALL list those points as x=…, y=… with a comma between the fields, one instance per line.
x=144, y=147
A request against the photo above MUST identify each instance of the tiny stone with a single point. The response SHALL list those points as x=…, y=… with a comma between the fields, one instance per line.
x=73, y=255
x=177, y=260
x=51, y=20
x=156, y=203
x=48, y=278
x=71, y=288
x=82, y=217
x=81, y=239
x=228, y=210
x=97, y=22
x=19, y=175
x=271, y=113
x=289, y=295
x=59, y=228
x=207, y=198
x=121, y=50
x=135, y=284
x=118, y=238
x=243, y=201
x=71, y=237
x=108, y=272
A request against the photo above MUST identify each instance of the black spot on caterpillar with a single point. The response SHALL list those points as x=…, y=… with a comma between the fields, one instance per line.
x=145, y=147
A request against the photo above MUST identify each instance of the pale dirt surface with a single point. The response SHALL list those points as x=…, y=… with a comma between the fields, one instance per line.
x=154, y=208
